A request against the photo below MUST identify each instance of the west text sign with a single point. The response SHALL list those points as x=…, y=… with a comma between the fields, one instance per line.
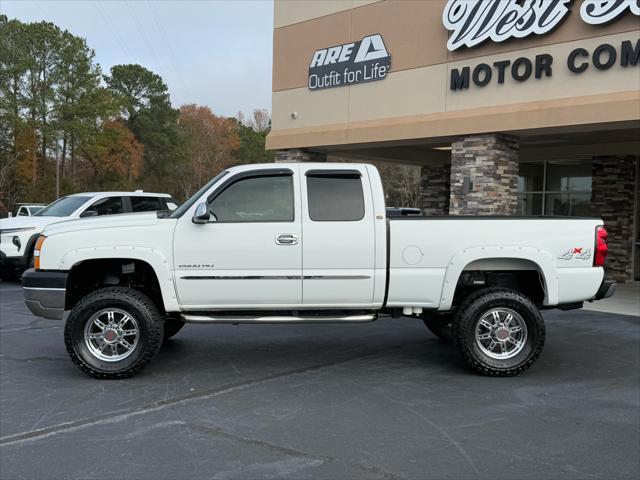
x=472, y=22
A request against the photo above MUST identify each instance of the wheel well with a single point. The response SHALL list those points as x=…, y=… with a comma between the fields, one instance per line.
x=91, y=275
x=523, y=276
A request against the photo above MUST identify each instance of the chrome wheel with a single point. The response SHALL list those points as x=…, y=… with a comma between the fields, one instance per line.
x=501, y=333
x=111, y=334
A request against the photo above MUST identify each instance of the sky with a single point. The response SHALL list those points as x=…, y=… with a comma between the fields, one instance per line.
x=215, y=53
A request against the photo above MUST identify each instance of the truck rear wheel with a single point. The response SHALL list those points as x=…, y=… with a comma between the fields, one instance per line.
x=500, y=332
x=113, y=332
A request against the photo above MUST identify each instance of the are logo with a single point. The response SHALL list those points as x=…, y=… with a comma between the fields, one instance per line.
x=357, y=62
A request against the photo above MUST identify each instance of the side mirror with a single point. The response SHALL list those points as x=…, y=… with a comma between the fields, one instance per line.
x=201, y=215
x=89, y=213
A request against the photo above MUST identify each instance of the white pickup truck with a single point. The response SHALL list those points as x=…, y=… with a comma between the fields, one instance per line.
x=307, y=243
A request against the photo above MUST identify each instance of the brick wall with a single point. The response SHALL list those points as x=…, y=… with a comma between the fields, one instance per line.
x=434, y=189
x=613, y=198
x=484, y=175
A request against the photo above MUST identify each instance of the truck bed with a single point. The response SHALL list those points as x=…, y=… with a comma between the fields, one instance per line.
x=427, y=255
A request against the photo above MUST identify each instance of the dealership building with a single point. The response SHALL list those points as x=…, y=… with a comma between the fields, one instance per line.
x=508, y=107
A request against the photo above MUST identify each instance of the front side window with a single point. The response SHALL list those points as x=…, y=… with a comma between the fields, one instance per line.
x=23, y=212
x=145, y=204
x=335, y=198
x=107, y=206
x=257, y=199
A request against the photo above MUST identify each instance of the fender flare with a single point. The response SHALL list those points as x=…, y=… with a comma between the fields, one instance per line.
x=458, y=262
x=152, y=256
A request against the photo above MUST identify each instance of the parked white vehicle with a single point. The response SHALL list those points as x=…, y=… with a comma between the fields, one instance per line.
x=18, y=235
x=310, y=243
x=28, y=209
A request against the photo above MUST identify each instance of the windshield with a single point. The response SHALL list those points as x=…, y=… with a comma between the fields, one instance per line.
x=194, y=198
x=35, y=210
x=63, y=207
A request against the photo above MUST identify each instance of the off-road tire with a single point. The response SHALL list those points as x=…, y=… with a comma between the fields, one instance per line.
x=469, y=313
x=171, y=327
x=440, y=325
x=136, y=304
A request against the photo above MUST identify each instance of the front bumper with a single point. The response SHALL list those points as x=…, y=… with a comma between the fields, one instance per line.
x=606, y=290
x=45, y=292
x=12, y=261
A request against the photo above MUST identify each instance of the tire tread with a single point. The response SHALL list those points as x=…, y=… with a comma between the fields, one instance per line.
x=462, y=315
x=155, y=328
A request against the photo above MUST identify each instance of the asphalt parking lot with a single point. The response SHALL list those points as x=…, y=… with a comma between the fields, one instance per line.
x=383, y=400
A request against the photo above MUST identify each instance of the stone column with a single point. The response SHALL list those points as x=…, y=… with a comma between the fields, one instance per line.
x=484, y=175
x=300, y=155
x=612, y=198
x=434, y=189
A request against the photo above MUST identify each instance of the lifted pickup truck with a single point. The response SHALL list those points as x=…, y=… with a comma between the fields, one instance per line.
x=307, y=243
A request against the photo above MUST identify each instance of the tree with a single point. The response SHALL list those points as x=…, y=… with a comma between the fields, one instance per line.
x=252, y=146
x=78, y=83
x=48, y=84
x=209, y=141
x=114, y=158
x=146, y=109
x=261, y=121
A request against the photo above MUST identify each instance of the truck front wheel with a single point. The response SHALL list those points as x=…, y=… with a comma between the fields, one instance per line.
x=499, y=332
x=113, y=332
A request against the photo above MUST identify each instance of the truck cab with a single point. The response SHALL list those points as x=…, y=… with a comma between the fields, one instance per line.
x=294, y=236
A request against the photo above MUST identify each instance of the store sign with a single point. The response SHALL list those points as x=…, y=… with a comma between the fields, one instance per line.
x=473, y=22
x=578, y=61
x=358, y=62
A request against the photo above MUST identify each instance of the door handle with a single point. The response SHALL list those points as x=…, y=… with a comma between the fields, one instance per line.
x=286, y=239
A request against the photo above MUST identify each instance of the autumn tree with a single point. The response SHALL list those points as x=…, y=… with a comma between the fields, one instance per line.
x=210, y=142
x=114, y=159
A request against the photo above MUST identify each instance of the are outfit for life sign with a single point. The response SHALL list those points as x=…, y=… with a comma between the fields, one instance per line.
x=357, y=62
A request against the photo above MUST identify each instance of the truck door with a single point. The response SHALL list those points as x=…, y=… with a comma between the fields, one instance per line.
x=338, y=249
x=249, y=254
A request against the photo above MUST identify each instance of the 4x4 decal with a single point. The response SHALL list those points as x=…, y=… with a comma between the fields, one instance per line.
x=578, y=253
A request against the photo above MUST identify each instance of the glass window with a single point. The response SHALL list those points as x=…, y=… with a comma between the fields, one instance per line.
x=63, y=207
x=22, y=212
x=568, y=204
x=107, y=206
x=531, y=177
x=569, y=176
x=258, y=199
x=563, y=188
x=145, y=204
x=529, y=204
x=335, y=198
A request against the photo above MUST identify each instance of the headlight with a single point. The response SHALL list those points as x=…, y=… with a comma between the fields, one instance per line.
x=15, y=230
x=36, y=251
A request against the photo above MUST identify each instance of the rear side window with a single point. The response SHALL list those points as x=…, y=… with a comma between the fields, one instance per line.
x=145, y=204
x=108, y=206
x=335, y=198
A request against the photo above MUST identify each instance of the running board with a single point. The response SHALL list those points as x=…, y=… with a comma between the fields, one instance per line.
x=189, y=318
